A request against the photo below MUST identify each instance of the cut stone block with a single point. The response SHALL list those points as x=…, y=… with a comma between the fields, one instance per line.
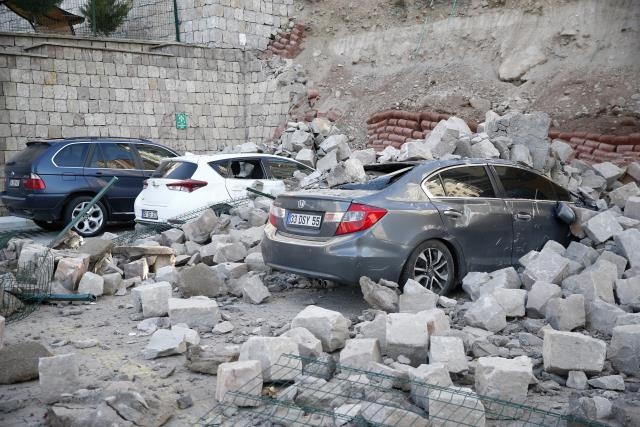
x=506, y=379
x=200, y=229
x=448, y=351
x=602, y=316
x=454, y=407
x=308, y=345
x=163, y=343
x=581, y=253
x=487, y=314
x=200, y=312
x=625, y=348
x=378, y=414
x=566, y=314
x=92, y=284
x=253, y=291
x=629, y=243
x=112, y=283
x=191, y=336
x=330, y=327
x=201, y=280
x=571, y=351
x=577, y=380
x=548, y=267
x=240, y=383
x=152, y=299
x=512, y=301
x=271, y=352
x=70, y=270
x=407, y=335
x=539, y=296
x=360, y=352
x=139, y=268
x=379, y=296
x=425, y=375
x=628, y=291
x=376, y=328
x=620, y=195
x=416, y=298
x=58, y=375
x=608, y=382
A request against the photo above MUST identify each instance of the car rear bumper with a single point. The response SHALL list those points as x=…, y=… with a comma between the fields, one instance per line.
x=342, y=259
x=40, y=207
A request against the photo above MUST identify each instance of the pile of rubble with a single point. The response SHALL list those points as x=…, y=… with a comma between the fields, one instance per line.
x=566, y=319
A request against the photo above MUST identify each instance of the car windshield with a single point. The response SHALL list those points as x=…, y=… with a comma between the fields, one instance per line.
x=377, y=183
x=174, y=169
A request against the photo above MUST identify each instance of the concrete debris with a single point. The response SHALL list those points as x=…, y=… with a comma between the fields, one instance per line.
x=330, y=327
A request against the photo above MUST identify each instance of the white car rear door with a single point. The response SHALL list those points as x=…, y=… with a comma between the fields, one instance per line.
x=243, y=173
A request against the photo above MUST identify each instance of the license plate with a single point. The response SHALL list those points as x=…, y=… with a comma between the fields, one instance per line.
x=14, y=183
x=304, y=220
x=149, y=214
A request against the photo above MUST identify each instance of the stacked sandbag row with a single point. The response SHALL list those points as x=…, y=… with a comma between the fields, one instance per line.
x=287, y=43
x=594, y=147
x=395, y=127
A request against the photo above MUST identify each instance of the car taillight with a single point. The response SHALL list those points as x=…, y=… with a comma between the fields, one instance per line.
x=359, y=217
x=275, y=213
x=34, y=182
x=145, y=184
x=188, y=185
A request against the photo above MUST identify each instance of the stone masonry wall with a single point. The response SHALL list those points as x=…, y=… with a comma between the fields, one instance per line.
x=63, y=87
x=220, y=22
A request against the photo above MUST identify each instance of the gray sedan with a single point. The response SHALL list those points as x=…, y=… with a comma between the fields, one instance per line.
x=431, y=221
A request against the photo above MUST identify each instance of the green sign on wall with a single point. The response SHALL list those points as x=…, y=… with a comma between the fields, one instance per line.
x=181, y=120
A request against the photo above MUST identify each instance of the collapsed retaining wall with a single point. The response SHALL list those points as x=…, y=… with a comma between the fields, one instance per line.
x=395, y=127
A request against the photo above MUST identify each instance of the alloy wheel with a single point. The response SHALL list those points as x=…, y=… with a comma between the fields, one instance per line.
x=431, y=270
x=92, y=220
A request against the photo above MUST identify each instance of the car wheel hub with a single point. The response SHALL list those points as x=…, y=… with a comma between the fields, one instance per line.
x=431, y=270
x=91, y=221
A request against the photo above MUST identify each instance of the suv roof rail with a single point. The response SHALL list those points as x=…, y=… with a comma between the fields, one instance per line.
x=91, y=138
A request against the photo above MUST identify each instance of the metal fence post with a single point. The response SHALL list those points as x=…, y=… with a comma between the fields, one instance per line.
x=176, y=19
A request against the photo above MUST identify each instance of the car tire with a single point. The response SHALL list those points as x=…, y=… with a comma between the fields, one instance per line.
x=49, y=225
x=432, y=265
x=96, y=219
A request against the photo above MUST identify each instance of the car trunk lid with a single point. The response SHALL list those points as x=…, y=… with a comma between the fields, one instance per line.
x=314, y=213
x=158, y=187
x=21, y=167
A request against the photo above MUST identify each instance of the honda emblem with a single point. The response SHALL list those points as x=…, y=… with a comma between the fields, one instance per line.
x=301, y=204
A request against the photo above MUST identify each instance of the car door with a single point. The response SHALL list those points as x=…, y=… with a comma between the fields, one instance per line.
x=109, y=159
x=479, y=221
x=243, y=173
x=278, y=170
x=531, y=199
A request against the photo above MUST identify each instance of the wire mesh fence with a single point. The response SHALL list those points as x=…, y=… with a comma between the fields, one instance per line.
x=306, y=391
x=138, y=19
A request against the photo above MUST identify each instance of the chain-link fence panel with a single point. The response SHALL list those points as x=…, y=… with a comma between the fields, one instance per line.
x=130, y=19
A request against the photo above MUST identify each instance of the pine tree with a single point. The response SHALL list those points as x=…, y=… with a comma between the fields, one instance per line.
x=108, y=14
x=37, y=7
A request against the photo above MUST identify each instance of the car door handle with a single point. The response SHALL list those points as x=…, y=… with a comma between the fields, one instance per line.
x=98, y=173
x=453, y=213
x=523, y=216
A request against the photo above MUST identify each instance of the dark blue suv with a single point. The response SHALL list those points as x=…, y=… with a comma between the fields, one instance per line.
x=51, y=181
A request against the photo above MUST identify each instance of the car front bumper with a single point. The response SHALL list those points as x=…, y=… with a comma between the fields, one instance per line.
x=37, y=206
x=342, y=259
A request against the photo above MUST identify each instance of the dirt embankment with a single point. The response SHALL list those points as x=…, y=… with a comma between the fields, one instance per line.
x=578, y=60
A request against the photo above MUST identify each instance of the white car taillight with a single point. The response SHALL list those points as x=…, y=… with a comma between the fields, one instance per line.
x=188, y=185
x=275, y=213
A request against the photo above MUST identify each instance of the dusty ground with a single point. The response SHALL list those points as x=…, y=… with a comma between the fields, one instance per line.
x=119, y=354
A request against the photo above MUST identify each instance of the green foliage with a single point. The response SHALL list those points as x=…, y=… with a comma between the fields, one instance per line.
x=105, y=16
x=37, y=7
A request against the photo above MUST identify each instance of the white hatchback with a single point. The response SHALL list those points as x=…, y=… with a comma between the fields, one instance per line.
x=183, y=184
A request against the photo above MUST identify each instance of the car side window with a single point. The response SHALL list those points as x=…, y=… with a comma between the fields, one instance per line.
x=72, y=156
x=246, y=169
x=221, y=166
x=467, y=181
x=112, y=156
x=522, y=184
x=151, y=155
x=433, y=186
x=561, y=194
x=283, y=169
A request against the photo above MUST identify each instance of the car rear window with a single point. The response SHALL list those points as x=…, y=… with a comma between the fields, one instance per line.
x=72, y=156
x=174, y=169
x=29, y=154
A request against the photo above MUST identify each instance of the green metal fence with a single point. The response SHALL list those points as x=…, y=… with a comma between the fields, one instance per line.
x=145, y=19
x=318, y=393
